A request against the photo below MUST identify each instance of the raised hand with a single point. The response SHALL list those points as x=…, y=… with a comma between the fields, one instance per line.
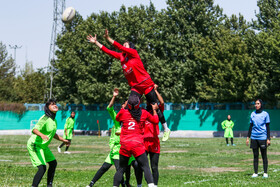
x=116, y=92
x=91, y=39
x=106, y=35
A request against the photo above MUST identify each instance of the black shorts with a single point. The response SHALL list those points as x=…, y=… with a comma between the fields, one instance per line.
x=258, y=144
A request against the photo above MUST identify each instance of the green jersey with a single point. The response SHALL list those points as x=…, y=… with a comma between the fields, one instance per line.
x=228, y=125
x=46, y=126
x=114, y=142
x=114, y=139
x=69, y=126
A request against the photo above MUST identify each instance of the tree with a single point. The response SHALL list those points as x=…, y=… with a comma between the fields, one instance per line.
x=30, y=85
x=7, y=73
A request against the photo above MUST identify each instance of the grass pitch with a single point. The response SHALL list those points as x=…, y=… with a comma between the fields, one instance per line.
x=183, y=162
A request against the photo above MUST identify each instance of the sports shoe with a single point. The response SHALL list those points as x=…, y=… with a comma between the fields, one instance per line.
x=67, y=152
x=265, y=175
x=166, y=135
x=254, y=175
x=58, y=149
x=233, y=145
x=227, y=144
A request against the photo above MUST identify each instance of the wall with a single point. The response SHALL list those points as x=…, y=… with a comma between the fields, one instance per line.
x=197, y=120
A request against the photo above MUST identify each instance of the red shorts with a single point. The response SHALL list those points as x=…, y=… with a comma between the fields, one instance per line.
x=144, y=87
x=152, y=145
x=132, y=148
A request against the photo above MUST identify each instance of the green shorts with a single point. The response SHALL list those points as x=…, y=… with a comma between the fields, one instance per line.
x=38, y=155
x=114, y=155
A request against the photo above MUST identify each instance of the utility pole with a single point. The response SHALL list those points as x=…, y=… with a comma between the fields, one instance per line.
x=15, y=47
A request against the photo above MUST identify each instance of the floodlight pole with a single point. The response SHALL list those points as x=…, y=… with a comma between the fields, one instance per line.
x=15, y=47
x=58, y=8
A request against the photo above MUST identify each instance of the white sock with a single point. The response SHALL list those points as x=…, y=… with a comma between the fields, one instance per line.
x=151, y=185
x=139, y=185
x=164, y=125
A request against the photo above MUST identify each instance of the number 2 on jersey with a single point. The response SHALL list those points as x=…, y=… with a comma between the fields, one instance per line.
x=131, y=125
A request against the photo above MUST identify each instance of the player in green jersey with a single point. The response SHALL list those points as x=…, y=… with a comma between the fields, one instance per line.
x=37, y=145
x=228, y=125
x=68, y=132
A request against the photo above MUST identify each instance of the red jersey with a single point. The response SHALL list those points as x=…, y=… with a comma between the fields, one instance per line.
x=133, y=69
x=133, y=130
x=151, y=130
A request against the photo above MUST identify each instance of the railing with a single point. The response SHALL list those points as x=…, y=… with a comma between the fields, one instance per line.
x=167, y=106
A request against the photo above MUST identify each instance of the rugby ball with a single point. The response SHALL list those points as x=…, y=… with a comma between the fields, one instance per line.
x=68, y=14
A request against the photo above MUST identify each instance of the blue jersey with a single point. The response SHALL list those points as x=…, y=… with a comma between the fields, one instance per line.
x=259, y=121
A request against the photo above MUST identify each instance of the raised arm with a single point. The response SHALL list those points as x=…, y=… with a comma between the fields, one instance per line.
x=115, y=94
x=113, y=54
x=93, y=40
x=106, y=35
x=131, y=52
x=160, y=99
x=153, y=118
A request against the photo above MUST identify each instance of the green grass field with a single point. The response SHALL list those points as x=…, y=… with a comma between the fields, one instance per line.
x=183, y=162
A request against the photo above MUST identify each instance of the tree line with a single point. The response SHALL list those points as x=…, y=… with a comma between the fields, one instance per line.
x=192, y=50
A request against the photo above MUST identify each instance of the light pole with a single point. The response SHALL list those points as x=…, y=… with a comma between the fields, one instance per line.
x=15, y=47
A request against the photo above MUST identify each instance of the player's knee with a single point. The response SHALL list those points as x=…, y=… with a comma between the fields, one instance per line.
x=53, y=164
x=42, y=169
x=154, y=168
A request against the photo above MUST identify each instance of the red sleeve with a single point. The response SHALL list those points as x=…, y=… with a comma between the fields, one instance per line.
x=152, y=118
x=119, y=115
x=131, y=52
x=113, y=54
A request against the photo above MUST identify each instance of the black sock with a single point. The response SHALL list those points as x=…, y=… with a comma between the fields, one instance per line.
x=67, y=147
x=227, y=140
x=256, y=160
x=100, y=172
x=231, y=140
x=51, y=172
x=38, y=176
x=61, y=145
x=264, y=157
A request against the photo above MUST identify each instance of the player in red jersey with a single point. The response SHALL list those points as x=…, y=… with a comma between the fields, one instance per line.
x=132, y=140
x=151, y=140
x=138, y=78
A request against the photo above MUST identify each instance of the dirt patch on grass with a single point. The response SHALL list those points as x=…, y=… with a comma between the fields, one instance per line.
x=84, y=168
x=175, y=151
x=220, y=169
x=22, y=163
x=75, y=152
x=177, y=168
x=273, y=153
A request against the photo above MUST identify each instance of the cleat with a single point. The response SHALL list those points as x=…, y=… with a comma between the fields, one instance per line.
x=227, y=144
x=166, y=135
x=233, y=145
x=58, y=149
x=254, y=175
x=265, y=175
x=67, y=152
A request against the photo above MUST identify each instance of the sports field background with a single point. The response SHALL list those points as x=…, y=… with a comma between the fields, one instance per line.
x=183, y=162
x=196, y=120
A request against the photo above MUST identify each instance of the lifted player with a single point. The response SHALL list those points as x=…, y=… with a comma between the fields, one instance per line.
x=138, y=78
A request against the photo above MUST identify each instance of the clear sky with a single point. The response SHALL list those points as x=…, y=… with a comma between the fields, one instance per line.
x=28, y=23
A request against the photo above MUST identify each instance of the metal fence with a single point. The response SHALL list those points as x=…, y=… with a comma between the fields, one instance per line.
x=168, y=106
